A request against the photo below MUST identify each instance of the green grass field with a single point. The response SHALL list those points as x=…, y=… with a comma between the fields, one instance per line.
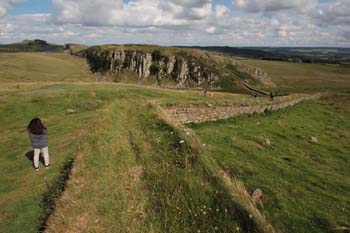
x=42, y=67
x=132, y=174
x=296, y=77
x=21, y=188
x=22, y=207
x=305, y=186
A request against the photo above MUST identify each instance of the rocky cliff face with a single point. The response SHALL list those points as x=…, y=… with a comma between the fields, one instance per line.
x=186, y=71
x=255, y=72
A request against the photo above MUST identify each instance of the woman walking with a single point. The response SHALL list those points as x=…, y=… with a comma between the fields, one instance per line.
x=38, y=137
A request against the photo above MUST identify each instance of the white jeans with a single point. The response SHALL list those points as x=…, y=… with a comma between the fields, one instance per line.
x=45, y=152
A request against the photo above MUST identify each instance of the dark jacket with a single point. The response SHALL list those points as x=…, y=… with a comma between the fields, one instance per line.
x=38, y=140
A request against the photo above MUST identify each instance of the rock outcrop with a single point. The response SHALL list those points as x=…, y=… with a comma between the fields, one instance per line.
x=255, y=72
x=185, y=70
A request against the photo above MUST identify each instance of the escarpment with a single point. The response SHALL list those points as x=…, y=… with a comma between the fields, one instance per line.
x=169, y=66
x=184, y=70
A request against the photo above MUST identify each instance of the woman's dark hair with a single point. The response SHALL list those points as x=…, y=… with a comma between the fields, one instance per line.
x=35, y=126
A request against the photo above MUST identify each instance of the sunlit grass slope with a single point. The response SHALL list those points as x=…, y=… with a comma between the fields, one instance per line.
x=305, y=185
x=20, y=67
x=22, y=203
x=297, y=77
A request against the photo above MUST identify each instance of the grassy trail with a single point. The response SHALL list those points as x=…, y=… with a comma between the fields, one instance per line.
x=175, y=192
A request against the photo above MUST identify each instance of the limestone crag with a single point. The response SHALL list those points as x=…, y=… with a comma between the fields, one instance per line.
x=184, y=70
x=256, y=72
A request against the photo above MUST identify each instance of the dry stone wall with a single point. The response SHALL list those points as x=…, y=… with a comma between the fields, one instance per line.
x=195, y=114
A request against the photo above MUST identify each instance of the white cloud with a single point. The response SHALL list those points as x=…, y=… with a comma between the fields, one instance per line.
x=274, y=5
x=334, y=13
x=221, y=11
x=210, y=30
x=88, y=12
x=184, y=22
x=134, y=13
x=3, y=12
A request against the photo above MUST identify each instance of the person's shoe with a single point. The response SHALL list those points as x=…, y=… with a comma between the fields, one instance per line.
x=47, y=166
x=36, y=168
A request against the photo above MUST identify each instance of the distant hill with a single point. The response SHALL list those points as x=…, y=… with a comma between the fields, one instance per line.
x=31, y=46
x=291, y=54
x=241, y=52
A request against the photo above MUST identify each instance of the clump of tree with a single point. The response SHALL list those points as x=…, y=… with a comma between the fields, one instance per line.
x=156, y=56
x=154, y=69
x=98, y=61
x=177, y=69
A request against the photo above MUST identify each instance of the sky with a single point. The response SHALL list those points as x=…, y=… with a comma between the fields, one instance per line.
x=178, y=22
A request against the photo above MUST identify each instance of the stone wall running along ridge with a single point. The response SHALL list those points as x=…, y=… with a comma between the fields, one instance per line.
x=195, y=114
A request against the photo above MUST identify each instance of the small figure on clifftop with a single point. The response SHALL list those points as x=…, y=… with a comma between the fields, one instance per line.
x=205, y=92
x=38, y=137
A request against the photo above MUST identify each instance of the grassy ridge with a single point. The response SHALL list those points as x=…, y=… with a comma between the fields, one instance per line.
x=45, y=67
x=31, y=46
x=305, y=185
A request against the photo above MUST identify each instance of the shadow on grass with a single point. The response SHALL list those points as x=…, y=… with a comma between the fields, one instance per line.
x=30, y=155
x=54, y=192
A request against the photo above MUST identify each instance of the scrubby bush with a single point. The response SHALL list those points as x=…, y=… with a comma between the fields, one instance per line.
x=155, y=68
x=156, y=55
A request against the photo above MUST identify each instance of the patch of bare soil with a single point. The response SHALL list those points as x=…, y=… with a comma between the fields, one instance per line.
x=136, y=172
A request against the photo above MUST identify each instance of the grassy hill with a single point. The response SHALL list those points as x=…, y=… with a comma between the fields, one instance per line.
x=31, y=46
x=23, y=67
x=134, y=171
x=296, y=54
